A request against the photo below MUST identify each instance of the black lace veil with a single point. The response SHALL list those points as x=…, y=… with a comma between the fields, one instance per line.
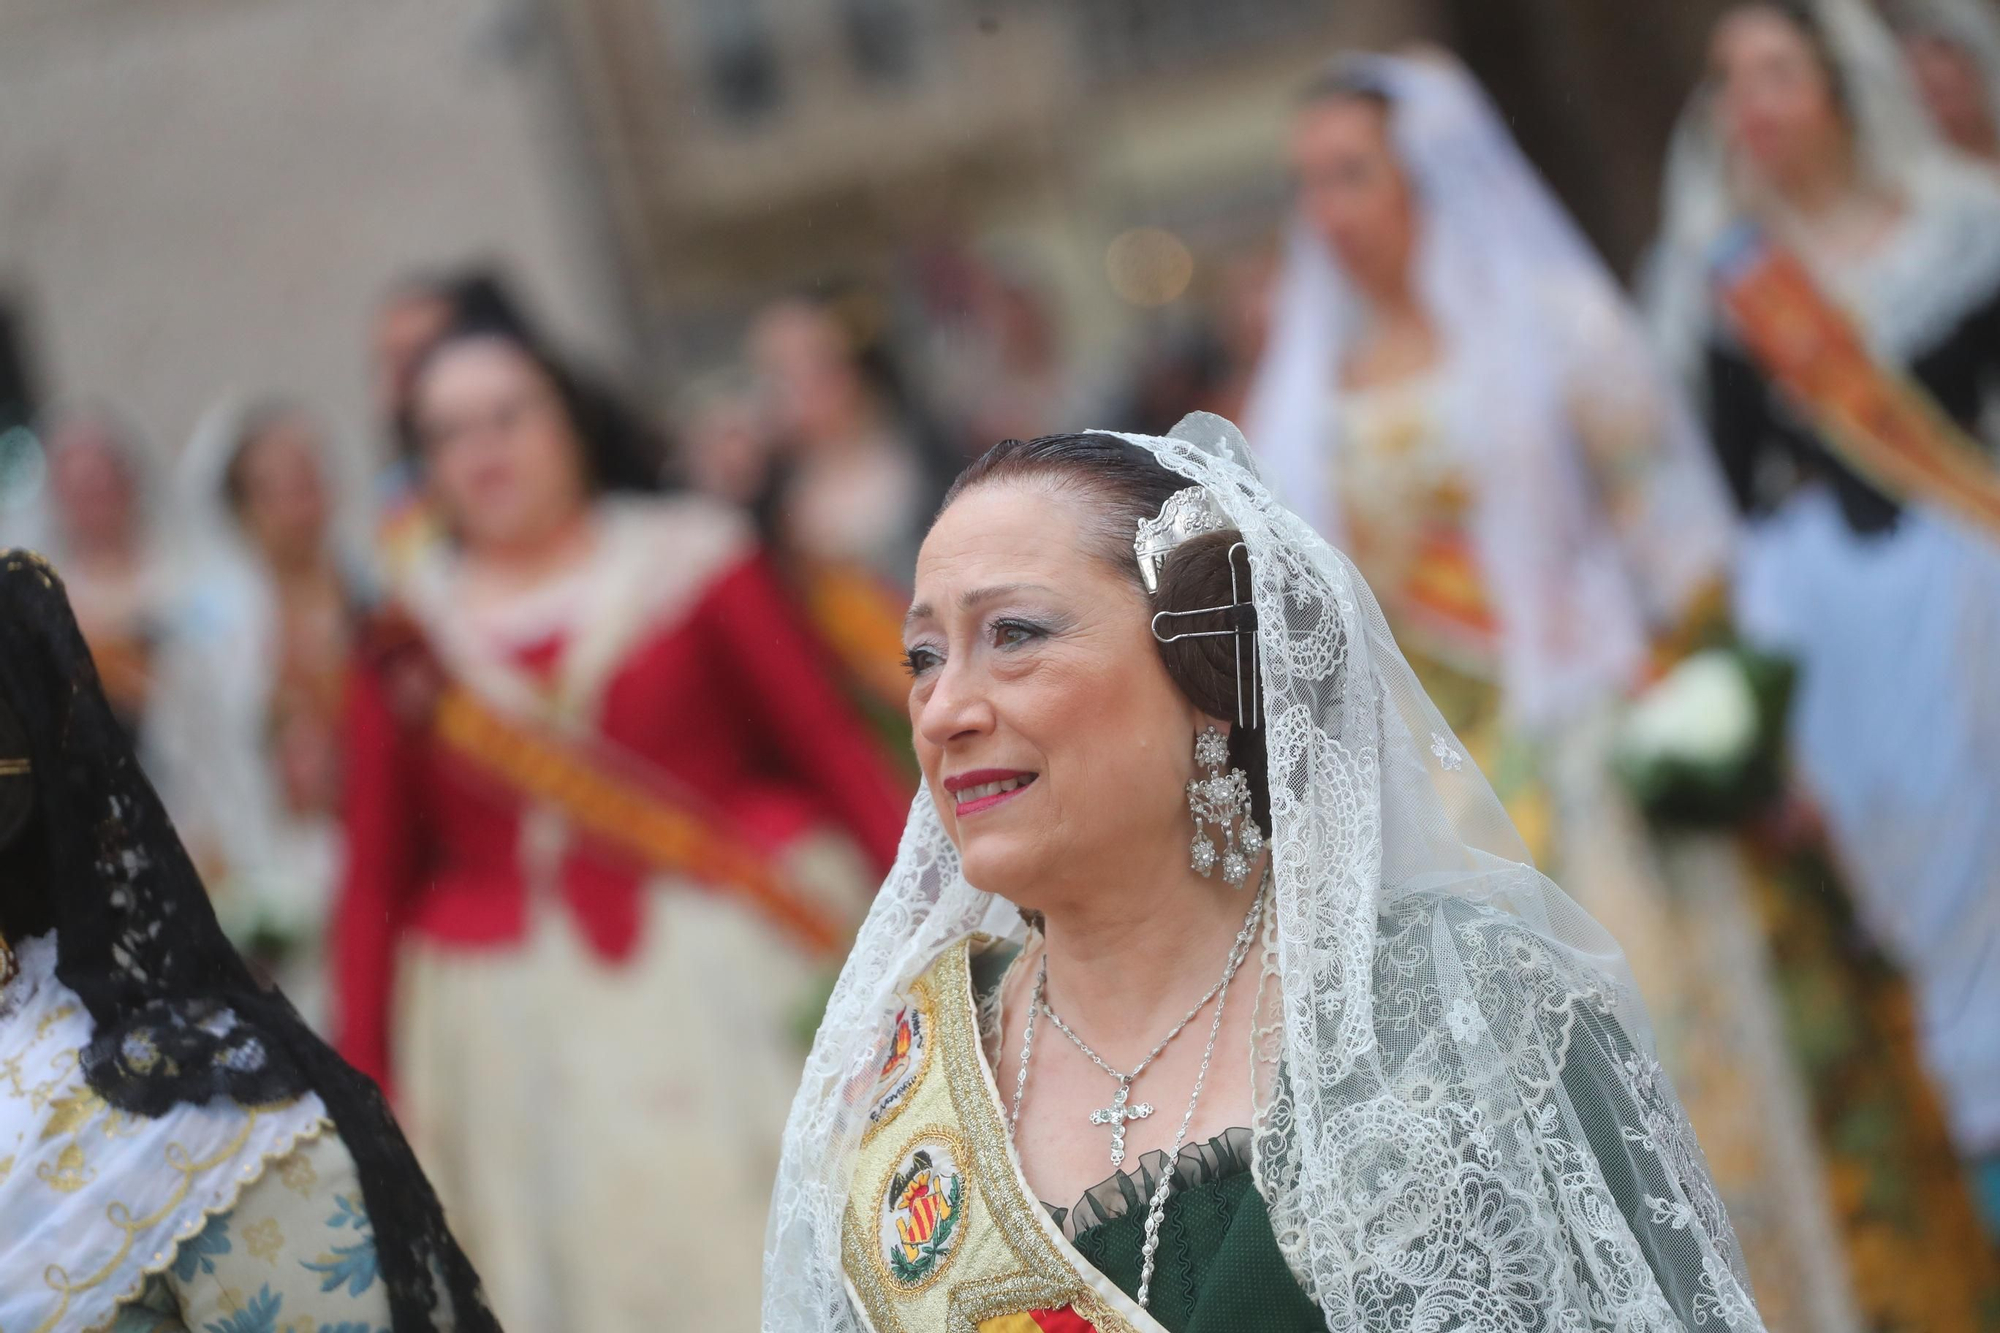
x=178, y=1018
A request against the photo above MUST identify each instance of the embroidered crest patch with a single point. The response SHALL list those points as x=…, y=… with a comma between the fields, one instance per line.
x=923, y=1206
x=904, y=1056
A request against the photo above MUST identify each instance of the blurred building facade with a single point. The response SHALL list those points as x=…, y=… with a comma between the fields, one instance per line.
x=758, y=145
x=203, y=195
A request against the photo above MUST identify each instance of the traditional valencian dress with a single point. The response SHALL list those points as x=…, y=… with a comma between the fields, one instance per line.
x=185, y=1220
x=1458, y=1119
x=178, y=1152
x=594, y=881
x=1534, y=511
x=1850, y=404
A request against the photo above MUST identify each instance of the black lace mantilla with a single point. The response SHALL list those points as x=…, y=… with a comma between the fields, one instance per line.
x=177, y=1017
x=1224, y=1156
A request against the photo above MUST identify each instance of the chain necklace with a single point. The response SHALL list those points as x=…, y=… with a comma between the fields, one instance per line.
x=1118, y=1113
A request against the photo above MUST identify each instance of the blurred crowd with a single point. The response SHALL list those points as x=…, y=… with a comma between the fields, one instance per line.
x=699, y=611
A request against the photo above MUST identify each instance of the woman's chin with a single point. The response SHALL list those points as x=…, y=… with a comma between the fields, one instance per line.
x=1000, y=865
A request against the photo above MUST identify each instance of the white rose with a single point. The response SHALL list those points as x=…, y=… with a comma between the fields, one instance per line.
x=1702, y=713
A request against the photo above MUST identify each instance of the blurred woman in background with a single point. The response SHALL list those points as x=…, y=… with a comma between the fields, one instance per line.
x=858, y=473
x=603, y=810
x=1829, y=280
x=103, y=540
x=1457, y=394
x=245, y=719
x=853, y=472
x=1952, y=50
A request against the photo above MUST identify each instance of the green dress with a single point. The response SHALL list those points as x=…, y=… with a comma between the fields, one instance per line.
x=1218, y=1268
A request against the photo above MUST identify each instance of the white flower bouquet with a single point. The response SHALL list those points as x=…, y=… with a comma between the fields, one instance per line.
x=1704, y=745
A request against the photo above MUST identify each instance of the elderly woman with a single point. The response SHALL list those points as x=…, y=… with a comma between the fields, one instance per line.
x=177, y=1150
x=1212, y=988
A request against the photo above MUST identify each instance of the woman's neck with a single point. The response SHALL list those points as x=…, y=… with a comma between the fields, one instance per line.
x=515, y=566
x=304, y=566
x=1125, y=965
x=1822, y=188
x=1395, y=343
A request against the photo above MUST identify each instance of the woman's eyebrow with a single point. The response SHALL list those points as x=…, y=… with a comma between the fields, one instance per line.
x=973, y=598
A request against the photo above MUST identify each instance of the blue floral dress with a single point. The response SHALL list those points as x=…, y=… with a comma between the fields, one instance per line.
x=296, y=1254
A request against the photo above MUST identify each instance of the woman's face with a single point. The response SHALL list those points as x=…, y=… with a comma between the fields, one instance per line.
x=1774, y=94
x=503, y=457
x=804, y=359
x=1052, y=741
x=282, y=499
x=93, y=486
x=1352, y=189
x=1954, y=91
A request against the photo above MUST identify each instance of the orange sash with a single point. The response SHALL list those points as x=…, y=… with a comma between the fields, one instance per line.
x=861, y=620
x=1881, y=424
x=640, y=813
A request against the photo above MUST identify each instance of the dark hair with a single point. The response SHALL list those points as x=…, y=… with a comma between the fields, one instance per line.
x=621, y=450
x=1131, y=485
x=1345, y=81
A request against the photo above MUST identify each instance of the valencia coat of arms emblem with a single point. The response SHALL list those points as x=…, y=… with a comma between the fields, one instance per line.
x=923, y=1207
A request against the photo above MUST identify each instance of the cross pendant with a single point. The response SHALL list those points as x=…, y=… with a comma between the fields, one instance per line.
x=1116, y=1115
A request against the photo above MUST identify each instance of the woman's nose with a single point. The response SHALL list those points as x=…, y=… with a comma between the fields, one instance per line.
x=957, y=707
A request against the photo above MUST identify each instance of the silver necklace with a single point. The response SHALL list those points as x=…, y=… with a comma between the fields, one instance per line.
x=1037, y=1003
x=1120, y=1113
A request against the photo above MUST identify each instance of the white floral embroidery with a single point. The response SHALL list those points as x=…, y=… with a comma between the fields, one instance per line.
x=1464, y=1020
x=1446, y=753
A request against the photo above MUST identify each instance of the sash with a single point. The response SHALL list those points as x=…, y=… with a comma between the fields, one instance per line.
x=860, y=619
x=941, y=1231
x=631, y=807
x=1881, y=424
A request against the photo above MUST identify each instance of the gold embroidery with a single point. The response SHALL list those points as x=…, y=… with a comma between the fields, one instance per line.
x=120, y=1216
x=50, y=1019
x=69, y=1173
x=69, y=1114
x=6, y=1166
x=264, y=1240
x=1013, y=1265
x=297, y=1174
x=909, y=1059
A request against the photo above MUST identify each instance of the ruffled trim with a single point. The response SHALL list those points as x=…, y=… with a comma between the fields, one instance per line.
x=1227, y=1154
x=199, y=1222
x=34, y=964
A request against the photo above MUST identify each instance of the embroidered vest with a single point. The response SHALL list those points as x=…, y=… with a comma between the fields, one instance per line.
x=942, y=1231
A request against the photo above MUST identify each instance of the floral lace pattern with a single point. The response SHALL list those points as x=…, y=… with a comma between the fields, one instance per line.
x=1451, y=1131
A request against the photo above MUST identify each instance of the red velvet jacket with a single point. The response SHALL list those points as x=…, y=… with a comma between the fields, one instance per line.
x=728, y=694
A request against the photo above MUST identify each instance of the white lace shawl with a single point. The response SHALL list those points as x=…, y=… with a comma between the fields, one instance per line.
x=1460, y=1122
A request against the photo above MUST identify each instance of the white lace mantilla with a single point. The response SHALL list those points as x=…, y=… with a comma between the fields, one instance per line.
x=93, y=1201
x=1460, y=1120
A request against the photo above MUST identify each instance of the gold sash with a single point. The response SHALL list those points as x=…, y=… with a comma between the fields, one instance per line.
x=633, y=811
x=942, y=1231
x=1882, y=425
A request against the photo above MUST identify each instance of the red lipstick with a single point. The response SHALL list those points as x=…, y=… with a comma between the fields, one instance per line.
x=984, y=788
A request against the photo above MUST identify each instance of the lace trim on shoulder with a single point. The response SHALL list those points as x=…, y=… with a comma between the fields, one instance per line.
x=1225, y=1155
